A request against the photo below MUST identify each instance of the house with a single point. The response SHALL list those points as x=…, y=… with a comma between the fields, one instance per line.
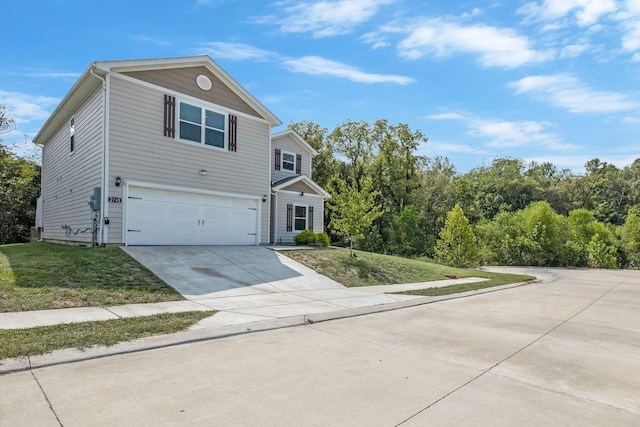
x=171, y=151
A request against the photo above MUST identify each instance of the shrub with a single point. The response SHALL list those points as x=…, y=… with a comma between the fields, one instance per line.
x=306, y=237
x=323, y=239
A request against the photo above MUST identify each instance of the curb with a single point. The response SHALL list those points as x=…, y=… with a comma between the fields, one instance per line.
x=65, y=356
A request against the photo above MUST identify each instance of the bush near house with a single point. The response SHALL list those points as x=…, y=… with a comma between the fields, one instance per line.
x=308, y=237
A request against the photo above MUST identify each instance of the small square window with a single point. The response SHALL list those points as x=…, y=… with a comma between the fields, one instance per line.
x=288, y=161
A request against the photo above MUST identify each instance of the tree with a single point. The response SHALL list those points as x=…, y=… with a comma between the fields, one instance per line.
x=630, y=235
x=6, y=121
x=457, y=245
x=19, y=190
x=325, y=163
x=354, y=142
x=352, y=210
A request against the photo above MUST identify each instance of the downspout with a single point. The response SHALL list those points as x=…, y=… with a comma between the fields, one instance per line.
x=105, y=165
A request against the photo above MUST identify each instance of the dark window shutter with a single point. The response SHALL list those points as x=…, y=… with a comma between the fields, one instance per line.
x=289, y=217
x=298, y=164
x=233, y=125
x=277, y=161
x=310, y=219
x=170, y=116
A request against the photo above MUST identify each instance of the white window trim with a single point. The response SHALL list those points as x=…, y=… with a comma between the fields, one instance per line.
x=306, y=217
x=282, y=168
x=204, y=107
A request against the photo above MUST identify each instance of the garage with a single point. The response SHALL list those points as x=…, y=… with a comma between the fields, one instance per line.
x=171, y=217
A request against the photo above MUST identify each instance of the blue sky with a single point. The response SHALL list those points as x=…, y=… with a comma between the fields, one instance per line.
x=542, y=80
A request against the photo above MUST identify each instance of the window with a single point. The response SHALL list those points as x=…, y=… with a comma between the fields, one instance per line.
x=72, y=132
x=288, y=161
x=201, y=125
x=300, y=219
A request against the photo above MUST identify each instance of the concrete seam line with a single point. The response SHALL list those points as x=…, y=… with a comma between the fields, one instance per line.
x=46, y=398
x=118, y=316
x=512, y=355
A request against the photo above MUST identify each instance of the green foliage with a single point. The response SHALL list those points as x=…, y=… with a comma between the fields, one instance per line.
x=407, y=233
x=630, y=236
x=457, y=245
x=600, y=254
x=19, y=190
x=323, y=239
x=353, y=210
x=308, y=237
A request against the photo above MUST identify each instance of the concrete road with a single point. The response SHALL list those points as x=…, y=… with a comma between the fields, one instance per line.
x=562, y=352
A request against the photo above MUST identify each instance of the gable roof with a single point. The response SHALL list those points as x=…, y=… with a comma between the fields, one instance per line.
x=286, y=182
x=297, y=138
x=91, y=79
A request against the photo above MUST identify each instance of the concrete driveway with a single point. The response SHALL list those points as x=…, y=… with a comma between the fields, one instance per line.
x=248, y=284
x=205, y=272
x=565, y=352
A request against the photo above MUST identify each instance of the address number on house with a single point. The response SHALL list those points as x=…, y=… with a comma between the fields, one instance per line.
x=115, y=199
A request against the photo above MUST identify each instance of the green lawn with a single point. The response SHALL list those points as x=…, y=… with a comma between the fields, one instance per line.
x=369, y=269
x=45, y=339
x=38, y=276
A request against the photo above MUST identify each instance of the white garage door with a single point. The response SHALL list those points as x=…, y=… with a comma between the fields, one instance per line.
x=164, y=217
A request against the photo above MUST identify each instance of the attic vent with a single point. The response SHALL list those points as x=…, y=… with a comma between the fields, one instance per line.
x=203, y=82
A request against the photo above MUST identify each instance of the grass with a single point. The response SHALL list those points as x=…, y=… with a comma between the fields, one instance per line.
x=39, y=276
x=45, y=339
x=369, y=269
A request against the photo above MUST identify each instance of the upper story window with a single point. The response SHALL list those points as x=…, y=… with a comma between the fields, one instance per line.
x=72, y=132
x=200, y=125
x=285, y=160
x=288, y=161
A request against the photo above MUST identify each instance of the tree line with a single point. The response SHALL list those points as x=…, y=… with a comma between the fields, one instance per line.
x=517, y=213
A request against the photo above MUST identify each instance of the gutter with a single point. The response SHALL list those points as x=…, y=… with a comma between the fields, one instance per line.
x=104, y=207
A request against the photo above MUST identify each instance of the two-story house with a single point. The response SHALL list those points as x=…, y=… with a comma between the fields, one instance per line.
x=171, y=151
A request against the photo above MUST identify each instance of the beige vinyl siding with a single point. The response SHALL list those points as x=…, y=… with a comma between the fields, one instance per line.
x=183, y=80
x=288, y=144
x=140, y=153
x=301, y=186
x=284, y=236
x=68, y=179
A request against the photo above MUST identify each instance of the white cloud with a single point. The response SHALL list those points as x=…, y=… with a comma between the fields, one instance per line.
x=574, y=50
x=27, y=108
x=508, y=134
x=565, y=91
x=447, y=147
x=315, y=65
x=152, y=40
x=326, y=18
x=495, y=46
x=630, y=22
x=446, y=116
x=236, y=51
x=586, y=12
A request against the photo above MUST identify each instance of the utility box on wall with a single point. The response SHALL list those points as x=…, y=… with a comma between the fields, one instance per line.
x=94, y=201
